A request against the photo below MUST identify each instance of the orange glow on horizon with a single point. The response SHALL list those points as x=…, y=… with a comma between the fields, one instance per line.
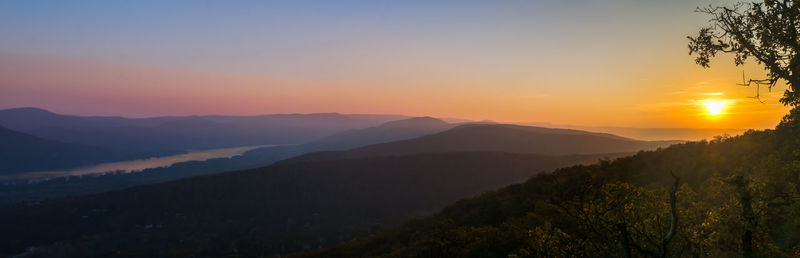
x=90, y=88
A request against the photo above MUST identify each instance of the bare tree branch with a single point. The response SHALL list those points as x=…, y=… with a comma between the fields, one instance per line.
x=673, y=215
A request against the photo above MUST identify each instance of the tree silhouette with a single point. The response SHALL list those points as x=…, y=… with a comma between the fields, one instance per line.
x=766, y=31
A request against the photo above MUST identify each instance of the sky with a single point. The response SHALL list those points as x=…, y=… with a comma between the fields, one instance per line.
x=592, y=63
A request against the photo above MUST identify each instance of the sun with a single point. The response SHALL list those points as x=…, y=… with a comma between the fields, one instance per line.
x=715, y=108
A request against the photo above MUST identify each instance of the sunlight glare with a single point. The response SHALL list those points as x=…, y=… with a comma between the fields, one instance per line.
x=715, y=108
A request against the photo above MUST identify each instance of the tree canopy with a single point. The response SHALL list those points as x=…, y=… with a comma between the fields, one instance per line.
x=766, y=32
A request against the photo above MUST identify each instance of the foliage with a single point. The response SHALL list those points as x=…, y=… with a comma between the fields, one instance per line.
x=765, y=31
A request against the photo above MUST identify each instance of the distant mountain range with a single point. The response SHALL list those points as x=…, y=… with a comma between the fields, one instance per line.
x=176, y=134
x=133, y=138
x=653, y=134
x=97, y=139
x=499, y=137
x=387, y=132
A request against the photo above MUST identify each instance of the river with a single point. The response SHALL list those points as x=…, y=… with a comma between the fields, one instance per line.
x=134, y=165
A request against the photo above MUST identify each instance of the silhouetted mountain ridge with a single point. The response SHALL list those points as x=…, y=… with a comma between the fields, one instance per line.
x=386, y=132
x=175, y=134
x=651, y=133
x=498, y=137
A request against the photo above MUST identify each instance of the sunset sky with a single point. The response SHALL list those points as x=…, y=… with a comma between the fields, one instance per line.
x=601, y=63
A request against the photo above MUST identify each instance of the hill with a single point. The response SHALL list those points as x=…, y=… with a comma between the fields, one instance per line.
x=21, y=152
x=731, y=197
x=654, y=134
x=278, y=209
x=387, y=132
x=499, y=137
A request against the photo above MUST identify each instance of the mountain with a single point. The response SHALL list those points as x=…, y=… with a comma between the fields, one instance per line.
x=277, y=209
x=386, y=132
x=652, y=134
x=380, y=118
x=499, y=137
x=176, y=134
x=21, y=152
x=729, y=197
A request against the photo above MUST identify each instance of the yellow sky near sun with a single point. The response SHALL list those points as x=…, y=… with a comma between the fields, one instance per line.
x=668, y=95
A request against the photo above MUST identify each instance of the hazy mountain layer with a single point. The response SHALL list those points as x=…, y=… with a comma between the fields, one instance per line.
x=500, y=137
x=394, y=130
x=652, y=134
x=166, y=135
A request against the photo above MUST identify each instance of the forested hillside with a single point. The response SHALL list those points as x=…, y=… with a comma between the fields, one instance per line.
x=729, y=197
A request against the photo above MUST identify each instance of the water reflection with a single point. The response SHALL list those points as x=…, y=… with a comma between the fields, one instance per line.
x=135, y=165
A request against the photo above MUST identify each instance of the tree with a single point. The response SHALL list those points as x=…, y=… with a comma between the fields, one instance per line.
x=766, y=32
x=617, y=219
